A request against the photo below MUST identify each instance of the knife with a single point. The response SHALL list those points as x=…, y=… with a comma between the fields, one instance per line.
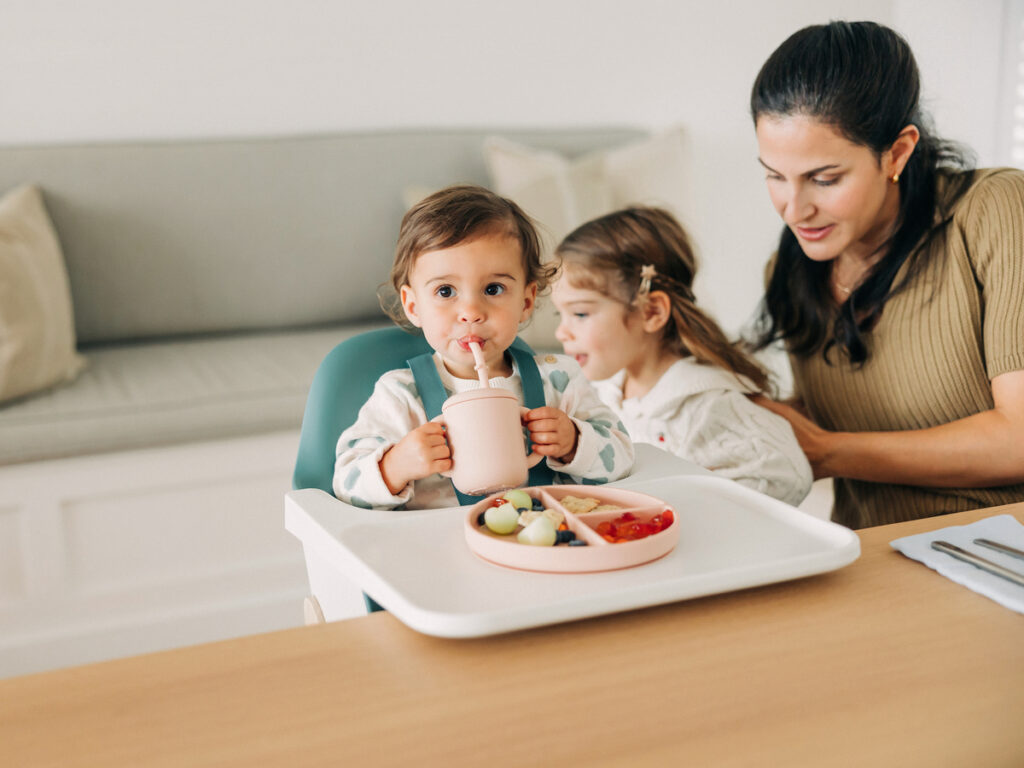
x=979, y=562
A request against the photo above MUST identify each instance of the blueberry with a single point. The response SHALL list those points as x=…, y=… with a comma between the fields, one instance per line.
x=577, y=543
x=538, y=505
x=564, y=536
x=480, y=519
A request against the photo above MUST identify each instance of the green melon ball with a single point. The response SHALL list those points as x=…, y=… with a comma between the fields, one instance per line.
x=503, y=519
x=520, y=498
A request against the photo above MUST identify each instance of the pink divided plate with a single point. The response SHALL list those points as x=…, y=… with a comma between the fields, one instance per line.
x=598, y=555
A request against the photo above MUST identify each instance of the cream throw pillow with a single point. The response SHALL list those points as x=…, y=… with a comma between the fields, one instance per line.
x=560, y=193
x=37, y=330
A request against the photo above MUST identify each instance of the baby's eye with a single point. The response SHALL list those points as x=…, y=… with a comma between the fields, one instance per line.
x=445, y=291
x=494, y=289
x=581, y=315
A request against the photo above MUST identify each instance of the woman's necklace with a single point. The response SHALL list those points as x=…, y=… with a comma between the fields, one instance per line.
x=841, y=287
x=845, y=289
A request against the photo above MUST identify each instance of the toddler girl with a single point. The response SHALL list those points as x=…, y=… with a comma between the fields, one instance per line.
x=629, y=317
x=467, y=269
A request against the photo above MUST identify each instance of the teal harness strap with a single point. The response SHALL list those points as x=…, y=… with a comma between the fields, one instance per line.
x=433, y=394
x=428, y=384
x=533, y=397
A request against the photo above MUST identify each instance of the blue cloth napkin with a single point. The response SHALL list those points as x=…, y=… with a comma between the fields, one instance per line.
x=1004, y=529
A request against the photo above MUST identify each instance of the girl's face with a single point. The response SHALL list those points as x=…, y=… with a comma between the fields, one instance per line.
x=836, y=196
x=473, y=291
x=601, y=333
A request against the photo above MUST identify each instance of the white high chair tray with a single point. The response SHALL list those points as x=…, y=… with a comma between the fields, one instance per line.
x=419, y=567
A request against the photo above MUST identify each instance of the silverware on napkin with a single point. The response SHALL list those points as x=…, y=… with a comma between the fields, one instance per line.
x=979, y=562
x=1004, y=548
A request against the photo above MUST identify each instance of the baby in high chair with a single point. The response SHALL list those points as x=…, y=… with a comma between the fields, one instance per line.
x=630, y=318
x=468, y=270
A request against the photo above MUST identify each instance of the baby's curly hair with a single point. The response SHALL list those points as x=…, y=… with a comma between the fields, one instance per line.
x=454, y=215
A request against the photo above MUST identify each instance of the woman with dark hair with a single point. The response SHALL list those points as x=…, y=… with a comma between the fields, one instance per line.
x=898, y=285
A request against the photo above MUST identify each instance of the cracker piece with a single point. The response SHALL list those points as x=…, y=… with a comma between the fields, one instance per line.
x=577, y=505
x=528, y=516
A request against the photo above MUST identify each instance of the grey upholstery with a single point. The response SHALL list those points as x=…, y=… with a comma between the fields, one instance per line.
x=146, y=394
x=198, y=236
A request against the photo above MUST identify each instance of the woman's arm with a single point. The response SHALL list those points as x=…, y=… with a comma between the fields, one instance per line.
x=983, y=450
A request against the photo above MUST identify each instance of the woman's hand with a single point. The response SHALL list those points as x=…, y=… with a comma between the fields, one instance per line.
x=553, y=433
x=979, y=451
x=814, y=441
x=421, y=453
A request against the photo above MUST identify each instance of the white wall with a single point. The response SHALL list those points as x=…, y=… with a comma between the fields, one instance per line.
x=116, y=69
x=959, y=49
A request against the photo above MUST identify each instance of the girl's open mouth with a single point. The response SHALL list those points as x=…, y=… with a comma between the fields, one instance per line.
x=581, y=359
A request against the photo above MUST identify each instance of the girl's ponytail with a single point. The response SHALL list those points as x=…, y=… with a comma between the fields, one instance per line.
x=629, y=253
x=699, y=335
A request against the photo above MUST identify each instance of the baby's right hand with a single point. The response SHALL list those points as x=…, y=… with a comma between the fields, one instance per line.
x=421, y=453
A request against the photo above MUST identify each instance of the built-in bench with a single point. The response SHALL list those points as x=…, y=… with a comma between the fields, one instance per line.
x=141, y=503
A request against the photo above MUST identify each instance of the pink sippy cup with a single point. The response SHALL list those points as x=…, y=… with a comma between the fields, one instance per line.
x=485, y=434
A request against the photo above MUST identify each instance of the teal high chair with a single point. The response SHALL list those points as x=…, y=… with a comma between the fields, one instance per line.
x=343, y=382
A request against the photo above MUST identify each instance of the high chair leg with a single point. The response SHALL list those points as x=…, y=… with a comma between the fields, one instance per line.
x=311, y=609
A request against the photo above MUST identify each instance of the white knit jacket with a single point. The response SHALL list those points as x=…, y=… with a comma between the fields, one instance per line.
x=701, y=413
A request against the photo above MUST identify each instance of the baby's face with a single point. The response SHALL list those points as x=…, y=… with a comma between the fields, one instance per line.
x=598, y=331
x=473, y=291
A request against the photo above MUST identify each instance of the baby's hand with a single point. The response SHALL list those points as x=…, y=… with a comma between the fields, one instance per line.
x=421, y=453
x=553, y=433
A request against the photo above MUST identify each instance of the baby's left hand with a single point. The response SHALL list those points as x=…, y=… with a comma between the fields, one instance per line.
x=553, y=433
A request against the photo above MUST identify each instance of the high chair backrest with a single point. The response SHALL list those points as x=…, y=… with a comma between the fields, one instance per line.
x=343, y=382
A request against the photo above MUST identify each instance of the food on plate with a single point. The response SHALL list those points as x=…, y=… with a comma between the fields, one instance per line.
x=520, y=498
x=628, y=527
x=528, y=516
x=579, y=506
x=502, y=530
x=521, y=513
x=539, y=533
x=502, y=519
x=583, y=506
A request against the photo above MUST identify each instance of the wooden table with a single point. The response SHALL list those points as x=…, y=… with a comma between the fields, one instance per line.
x=883, y=663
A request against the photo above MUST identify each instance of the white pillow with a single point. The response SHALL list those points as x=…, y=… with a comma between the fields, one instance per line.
x=560, y=193
x=37, y=326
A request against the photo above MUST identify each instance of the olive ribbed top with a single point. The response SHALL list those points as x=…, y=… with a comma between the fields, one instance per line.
x=937, y=345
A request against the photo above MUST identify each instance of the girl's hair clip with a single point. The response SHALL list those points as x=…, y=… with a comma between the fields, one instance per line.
x=673, y=286
x=647, y=273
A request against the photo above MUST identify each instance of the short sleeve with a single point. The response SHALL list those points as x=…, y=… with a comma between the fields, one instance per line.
x=992, y=219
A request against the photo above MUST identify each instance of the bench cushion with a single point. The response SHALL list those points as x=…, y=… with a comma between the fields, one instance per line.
x=146, y=394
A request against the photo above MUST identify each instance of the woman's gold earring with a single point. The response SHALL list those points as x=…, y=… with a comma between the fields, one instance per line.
x=895, y=178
